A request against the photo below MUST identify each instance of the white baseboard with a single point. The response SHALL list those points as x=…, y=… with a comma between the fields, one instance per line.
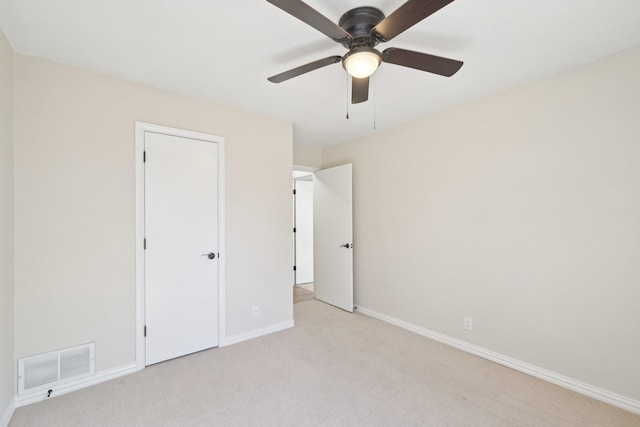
x=235, y=339
x=535, y=371
x=97, y=378
x=7, y=414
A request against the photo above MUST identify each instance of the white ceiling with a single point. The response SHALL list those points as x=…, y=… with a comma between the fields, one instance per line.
x=223, y=51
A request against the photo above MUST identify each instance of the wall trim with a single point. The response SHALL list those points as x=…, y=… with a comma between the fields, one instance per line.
x=97, y=378
x=8, y=413
x=235, y=339
x=527, y=368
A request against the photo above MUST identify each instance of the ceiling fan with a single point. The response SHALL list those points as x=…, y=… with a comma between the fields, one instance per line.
x=360, y=30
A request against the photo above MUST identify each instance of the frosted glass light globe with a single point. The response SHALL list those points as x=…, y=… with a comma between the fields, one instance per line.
x=362, y=62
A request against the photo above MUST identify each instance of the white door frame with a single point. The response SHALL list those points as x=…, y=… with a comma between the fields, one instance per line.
x=141, y=128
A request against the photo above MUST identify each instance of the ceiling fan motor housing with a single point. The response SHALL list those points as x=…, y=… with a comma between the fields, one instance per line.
x=359, y=22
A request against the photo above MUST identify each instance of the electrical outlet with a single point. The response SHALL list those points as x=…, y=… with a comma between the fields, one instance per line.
x=255, y=312
x=468, y=324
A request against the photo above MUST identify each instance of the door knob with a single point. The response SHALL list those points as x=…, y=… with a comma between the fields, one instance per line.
x=346, y=245
x=210, y=255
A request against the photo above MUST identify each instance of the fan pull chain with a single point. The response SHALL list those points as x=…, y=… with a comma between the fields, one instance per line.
x=347, y=74
x=374, y=102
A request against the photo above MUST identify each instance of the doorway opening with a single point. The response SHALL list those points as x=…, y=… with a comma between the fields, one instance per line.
x=303, y=282
x=331, y=231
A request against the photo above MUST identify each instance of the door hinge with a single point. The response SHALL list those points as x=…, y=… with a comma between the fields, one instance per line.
x=294, y=268
x=144, y=157
x=145, y=243
x=294, y=229
x=294, y=192
x=145, y=330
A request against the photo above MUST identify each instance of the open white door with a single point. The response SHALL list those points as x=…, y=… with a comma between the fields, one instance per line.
x=181, y=256
x=333, y=237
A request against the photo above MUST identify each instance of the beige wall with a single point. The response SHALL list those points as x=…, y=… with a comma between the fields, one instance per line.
x=75, y=212
x=7, y=377
x=520, y=210
x=305, y=155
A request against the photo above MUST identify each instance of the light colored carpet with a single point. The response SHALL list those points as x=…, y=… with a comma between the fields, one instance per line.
x=303, y=293
x=332, y=369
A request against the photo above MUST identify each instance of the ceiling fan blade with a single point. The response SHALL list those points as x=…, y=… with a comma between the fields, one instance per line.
x=359, y=90
x=295, y=72
x=312, y=17
x=406, y=16
x=421, y=61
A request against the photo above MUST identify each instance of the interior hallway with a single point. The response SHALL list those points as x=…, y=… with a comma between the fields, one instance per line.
x=303, y=292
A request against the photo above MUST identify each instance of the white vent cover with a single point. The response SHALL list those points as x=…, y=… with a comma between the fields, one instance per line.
x=47, y=370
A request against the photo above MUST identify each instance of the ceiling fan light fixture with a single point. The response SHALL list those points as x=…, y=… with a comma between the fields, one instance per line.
x=362, y=62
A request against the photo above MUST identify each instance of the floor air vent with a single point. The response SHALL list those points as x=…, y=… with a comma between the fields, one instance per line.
x=47, y=370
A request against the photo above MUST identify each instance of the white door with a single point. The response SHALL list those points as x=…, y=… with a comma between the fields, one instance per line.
x=181, y=232
x=333, y=237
